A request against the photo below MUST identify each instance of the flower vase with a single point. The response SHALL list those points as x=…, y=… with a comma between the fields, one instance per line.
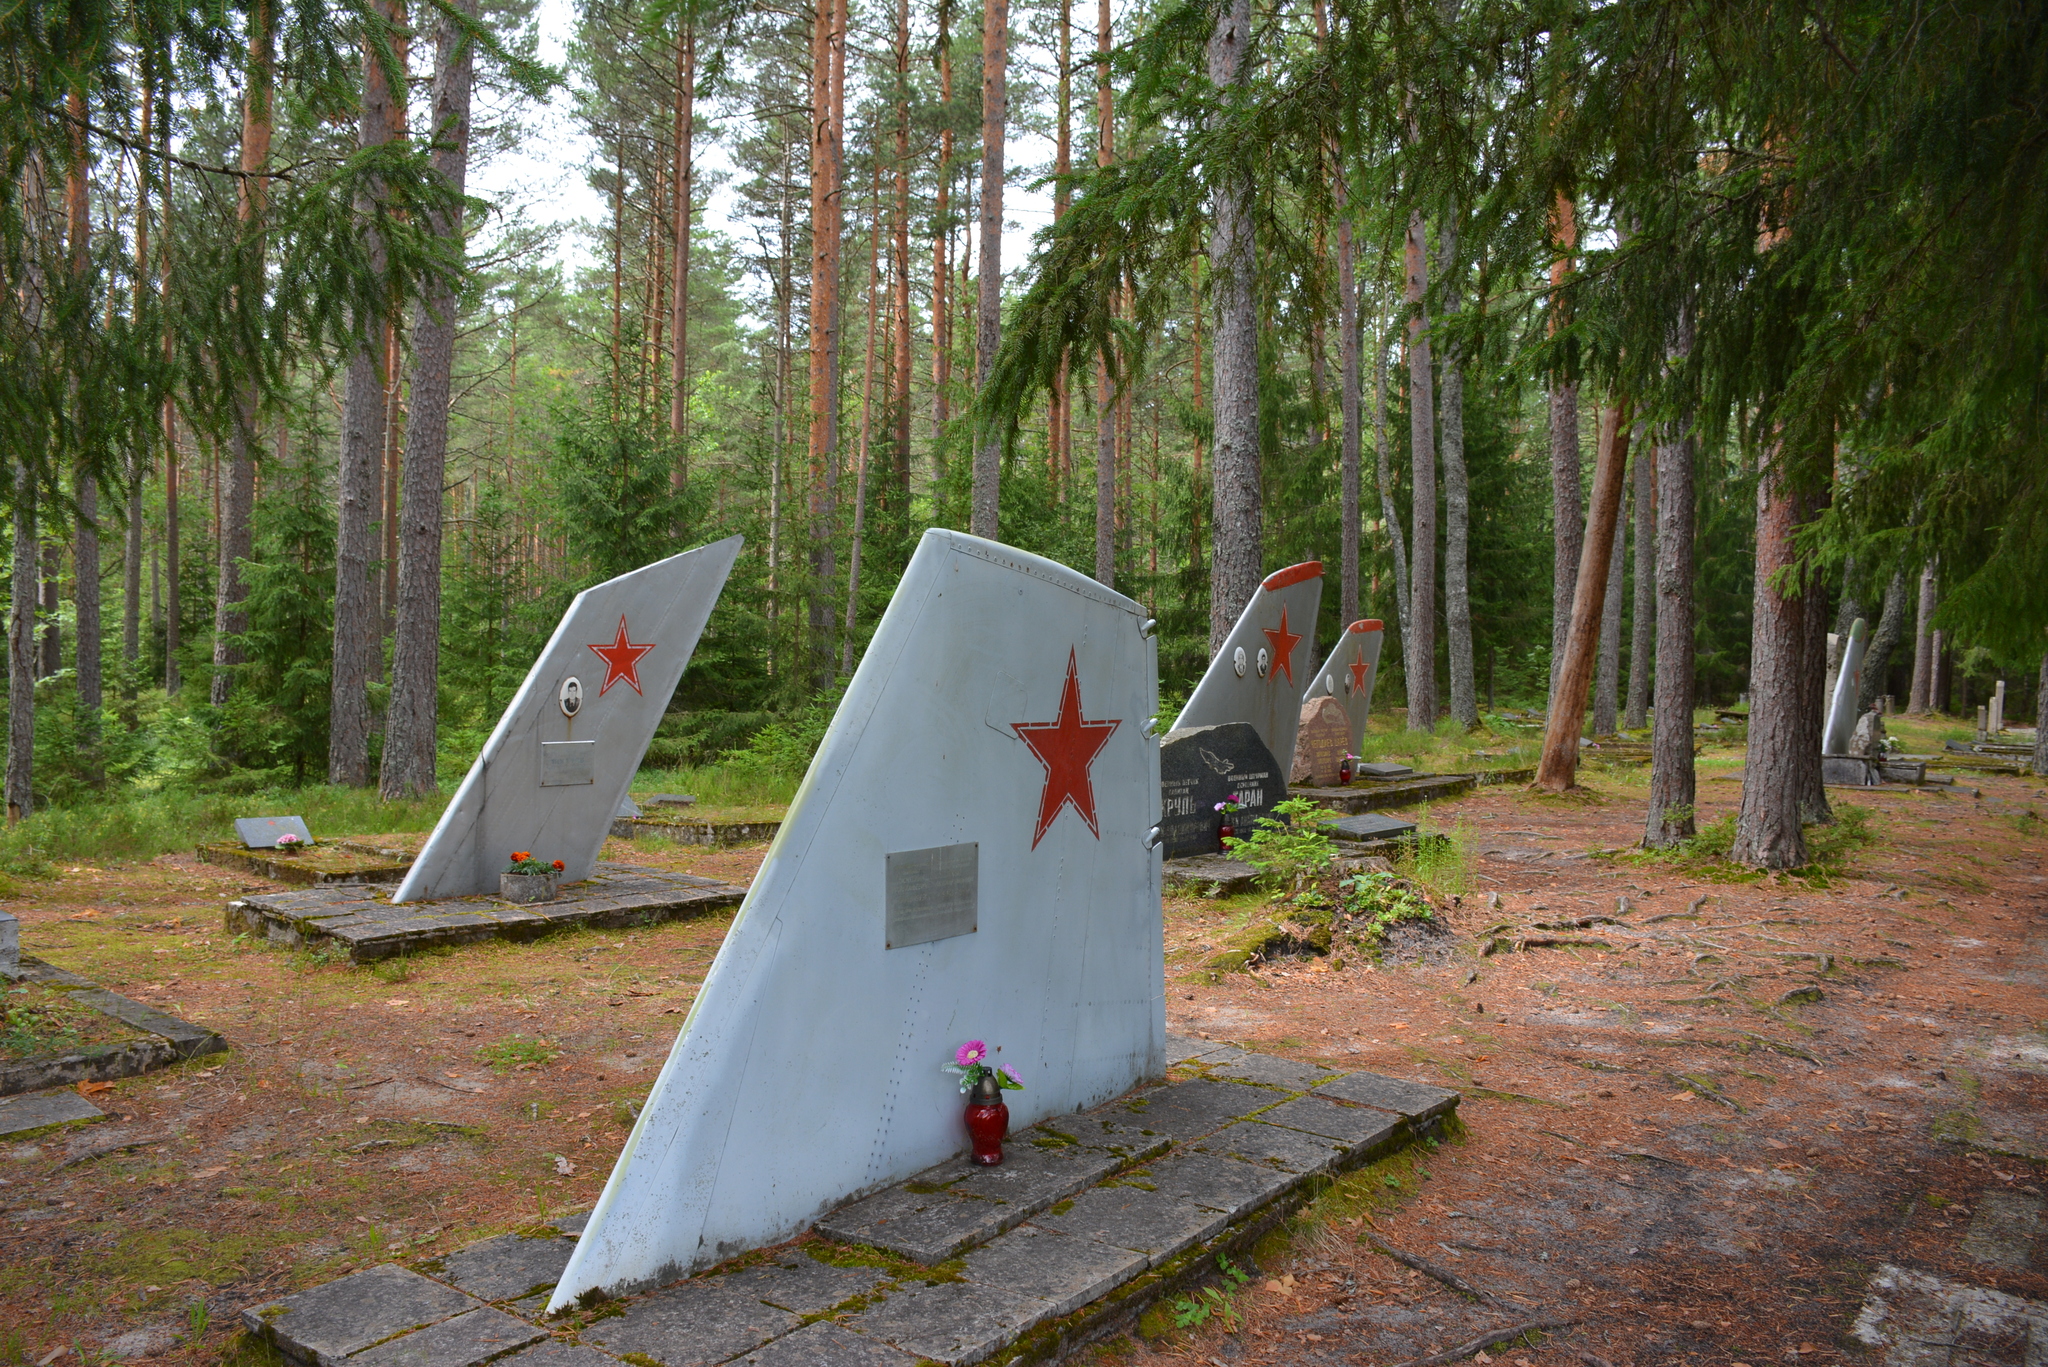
x=1344, y=774
x=1224, y=834
x=988, y=1120
x=528, y=888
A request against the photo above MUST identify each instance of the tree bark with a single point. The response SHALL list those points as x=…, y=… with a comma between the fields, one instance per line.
x=827, y=129
x=357, y=484
x=1105, y=392
x=1921, y=700
x=1397, y=543
x=942, y=236
x=1457, y=498
x=21, y=654
x=85, y=548
x=1421, y=665
x=172, y=626
x=1558, y=770
x=1642, y=638
x=900, y=352
x=1350, y=362
x=1607, y=677
x=1767, y=830
x=684, y=184
x=1673, y=787
x=2041, y=721
x=1236, y=515
x=988, y=330
x=867, y=411
x=411, y=730
x=1567, y=513
x=1891, y=625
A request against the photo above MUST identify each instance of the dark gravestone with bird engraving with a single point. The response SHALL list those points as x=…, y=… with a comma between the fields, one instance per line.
x=1204, y=765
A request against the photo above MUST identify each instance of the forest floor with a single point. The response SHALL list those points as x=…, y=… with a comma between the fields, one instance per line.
x=1658, y=1142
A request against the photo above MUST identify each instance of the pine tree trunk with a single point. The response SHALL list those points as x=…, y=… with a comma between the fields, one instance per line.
x=942, y=236
x=988, y=330
x=2041, y=721
x=131, y=548
x=1348, y=384
x=1642, y=638
x=1397, y=543
x=412, y=725
x=827, y=123
x=131, y=583
x=1673, y=786
x=53, y=634
x=1891, y=625
x=1607, y=677
x=1105, y=393
x=684, y=184
x=85, y=550
x=1421, y=665
x=172, y=626
x=867, y=409
x=1767, y=830
x=1236, y=515
x=1060, y=402
x=1921, y=701
x=1558, y=770
x=357, y=484
x=900, y=350
x=21, y=654
x=1567, y=511
x=1457, y=500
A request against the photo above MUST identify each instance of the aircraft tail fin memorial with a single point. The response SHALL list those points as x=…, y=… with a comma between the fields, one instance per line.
x=1350, y=672
x=968, y=857
x=552, y=775
x=1842, y=707
x=1259, y=674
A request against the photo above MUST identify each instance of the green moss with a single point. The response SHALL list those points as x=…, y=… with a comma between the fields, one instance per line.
x=1062, y=1207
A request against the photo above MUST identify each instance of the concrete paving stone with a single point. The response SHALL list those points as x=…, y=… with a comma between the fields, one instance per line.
x=1154, y=1223
x=1179, y=1048
x=802, y=1285
x=572, y=1224
x=507, y=1267
x=32, y=1112
x=1355, y=1125
x=555, y=1353
x=1032, y=1176
x=1415, y=1100
x=1917, y=1320
x=1178, y=1112
x=464, y=1341
x=693, y=1323
x=1254, y=1141
x=326, y=1324
x=924, y=1226
x=1059, y=1268
x=2004, y=1230
x=825, y=1344
x=953, y=1322
x=1236, y=1188
x=1269, y=1071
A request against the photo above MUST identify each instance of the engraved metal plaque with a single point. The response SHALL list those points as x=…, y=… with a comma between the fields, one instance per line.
x=567, y=763
x=932, y=894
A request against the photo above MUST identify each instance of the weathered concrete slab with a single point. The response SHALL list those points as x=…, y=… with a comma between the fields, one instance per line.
x=2005, y=1229
x=1057, y=1268
x=926, y=1225
x=321, y=864
x=1923, y=1321
x=824, y=1344
x=328, y=1323
x=693, y=1323
x=1204, y=872
x=508, y=1267
x=694, y=832
x=1236, y=1188
x=32, y=1112
x=469, y=1339
x=1414, y=1100
x=555, y=1353
x=1175, y=1112
x=369, y=926
x=1355, y=1126
x=1154, y=1223
x=1371, y=827
x=953, y=1322
x=1254, y=1141
x=1268, y=1071
x=802, y=1285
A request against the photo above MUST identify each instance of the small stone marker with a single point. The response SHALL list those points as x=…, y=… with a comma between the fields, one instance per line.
x=1372, y=826
x=1378, y=769
x=10, y=941
x=672, y=800
x=1200, y=767
x=1321, y=744
x=261, y=832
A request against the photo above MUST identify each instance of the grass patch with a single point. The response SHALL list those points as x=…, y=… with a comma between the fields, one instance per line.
x=37, y=1020
x=517, y=1052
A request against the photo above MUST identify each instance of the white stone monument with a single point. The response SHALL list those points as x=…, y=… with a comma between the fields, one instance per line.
x=1348, y=675
x=969, y=857
x=551, y=777
x=1261, y=672
x=1842, y=709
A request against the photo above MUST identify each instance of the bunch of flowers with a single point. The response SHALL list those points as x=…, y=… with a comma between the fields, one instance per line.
x=1230, y=804
x=290, y=841
x=524, y=862
x=970, y=1061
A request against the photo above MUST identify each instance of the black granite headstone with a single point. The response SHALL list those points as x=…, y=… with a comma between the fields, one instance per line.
x=1204, y=765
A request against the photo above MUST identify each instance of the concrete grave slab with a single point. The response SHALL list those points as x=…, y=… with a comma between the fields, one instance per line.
x=693, y=1323
x=19, y=1114
x=1371, y=826
x=802, y=1285
x=1259, y=674
x=328, y=1323
x=1155, y=1223
x=555, y=1353
x=1254, y=1141
x=1917, y=1320
x=1349, y=674
x=1268, y=1071
x=469, y=1339
x=925, y=1226
x=1175, y=1112
x=1415, y=1100
x=2005, y=1228
x=1382, y=769
x=953, y=1322
x=1226, y=1184
x=507, y=1267
x=261, y=832
x=1060, y=1269
x=566, y=748
x=1356, y=1126
x=825, y=1344
x=1027, y=743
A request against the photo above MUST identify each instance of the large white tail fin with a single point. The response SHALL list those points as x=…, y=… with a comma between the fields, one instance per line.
x=1259, y=675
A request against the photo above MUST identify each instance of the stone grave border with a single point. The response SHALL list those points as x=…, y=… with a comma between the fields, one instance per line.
x=329, y=861
x=862, y=1304
x=695, y=832
x=175, y=1040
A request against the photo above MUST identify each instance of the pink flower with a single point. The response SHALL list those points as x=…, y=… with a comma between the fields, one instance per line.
x=970, y=1053
x=1011, y=1073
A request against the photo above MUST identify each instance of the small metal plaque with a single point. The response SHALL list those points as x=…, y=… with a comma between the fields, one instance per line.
x=932, y=894
x=567, y=763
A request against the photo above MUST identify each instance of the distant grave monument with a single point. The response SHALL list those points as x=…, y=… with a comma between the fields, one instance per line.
x=1350, y=672
x=555, y=771
x=1205, y=765
x=969, y=857
x=1839, y=764
x=262, y=832
x=1260, y=673
x=1321, y=744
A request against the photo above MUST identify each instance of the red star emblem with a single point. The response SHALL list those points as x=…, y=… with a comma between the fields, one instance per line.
x=621, y=660
x=1283, y=645
x=1066, y=747
x=1358, y=668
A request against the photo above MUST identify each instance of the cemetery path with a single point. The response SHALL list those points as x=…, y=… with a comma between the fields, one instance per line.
x=1659, y=1143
